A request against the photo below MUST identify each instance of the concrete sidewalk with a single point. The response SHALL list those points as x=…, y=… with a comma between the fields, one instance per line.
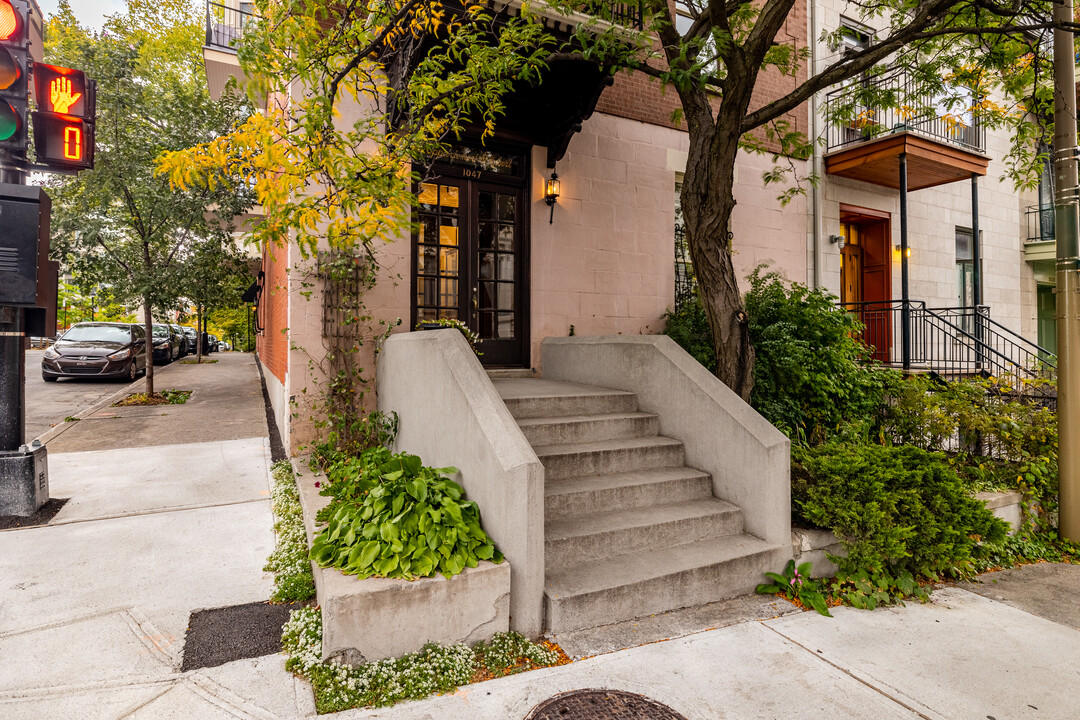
x=169, y=513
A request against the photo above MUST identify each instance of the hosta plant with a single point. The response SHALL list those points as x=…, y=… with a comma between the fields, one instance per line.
x=795, y=583
x=393, y=517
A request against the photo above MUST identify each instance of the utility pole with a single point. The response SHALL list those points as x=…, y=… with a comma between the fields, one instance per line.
x=1067, y=212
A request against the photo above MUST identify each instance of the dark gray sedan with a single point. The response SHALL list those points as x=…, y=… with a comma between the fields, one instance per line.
x=96, y=349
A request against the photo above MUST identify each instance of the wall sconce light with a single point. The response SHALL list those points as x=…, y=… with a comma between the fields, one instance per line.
x=551, y=193
x=838, y=240
x=898, y=250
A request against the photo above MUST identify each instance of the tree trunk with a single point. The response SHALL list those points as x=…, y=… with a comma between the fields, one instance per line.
x=148, y=321
x=198, y=333
x=707, y=203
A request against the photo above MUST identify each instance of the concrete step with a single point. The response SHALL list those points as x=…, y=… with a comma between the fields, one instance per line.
x=633, y=585
x=594, y=537
x=536, y=398
x=577, y=496
x=495, y=373
x=588, y=428
x=609, y=456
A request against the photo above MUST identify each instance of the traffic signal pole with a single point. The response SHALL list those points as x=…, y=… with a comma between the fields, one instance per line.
x=1067, y=216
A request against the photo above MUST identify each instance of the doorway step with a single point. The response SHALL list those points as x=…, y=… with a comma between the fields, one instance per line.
x=630, y=530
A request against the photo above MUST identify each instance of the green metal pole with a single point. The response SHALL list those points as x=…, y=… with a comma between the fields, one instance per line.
x=1068, y=273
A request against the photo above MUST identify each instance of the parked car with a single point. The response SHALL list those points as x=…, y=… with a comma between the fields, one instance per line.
x=193, y=339
x=211, y=343
x=96, y=349
x=166, y=344
x=185, y=347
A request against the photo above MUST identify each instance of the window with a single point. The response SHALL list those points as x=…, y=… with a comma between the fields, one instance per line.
x=684, y=20
x=853, y=35
x=965, y=269
x=684, y=269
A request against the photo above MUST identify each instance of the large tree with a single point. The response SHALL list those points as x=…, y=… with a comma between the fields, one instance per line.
x=323, y=178
x=119, y=224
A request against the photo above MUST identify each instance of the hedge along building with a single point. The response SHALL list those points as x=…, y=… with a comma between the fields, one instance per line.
x=492, y=252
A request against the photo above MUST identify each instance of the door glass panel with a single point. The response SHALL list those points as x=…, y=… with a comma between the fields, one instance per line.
x=506, y=237
x=428, y=261
x=425, y=314
x=448, y=233
x=429, y=196
x=485, y=201
x=506, y=267
x=487, y=295
x=487, y=266
x=425, y=294
x=487, y=325
x=428, y=233
x=487, y=236
x=506, y=325
x=448, y=261
x=448, y=199
x=448, y=292
x=506, y=296
x=506, y=208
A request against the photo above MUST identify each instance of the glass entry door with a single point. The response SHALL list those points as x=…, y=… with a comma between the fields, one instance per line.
x=470, y=257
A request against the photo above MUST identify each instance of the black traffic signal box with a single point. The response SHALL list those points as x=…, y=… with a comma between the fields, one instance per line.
x=24, y=245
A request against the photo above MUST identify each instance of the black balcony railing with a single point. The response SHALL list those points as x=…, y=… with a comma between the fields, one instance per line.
x=868, y=109
x=226, y=22
x=1040, y=223
x=951, y=341
x=626, y=14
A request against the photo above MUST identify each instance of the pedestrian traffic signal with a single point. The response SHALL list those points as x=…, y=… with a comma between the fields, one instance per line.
x=64, y=121
x=14, y=74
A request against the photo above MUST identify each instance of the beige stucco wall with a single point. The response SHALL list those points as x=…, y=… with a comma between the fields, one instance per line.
x=606, y=263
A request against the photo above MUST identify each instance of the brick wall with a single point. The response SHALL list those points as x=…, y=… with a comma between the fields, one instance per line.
x=639, y=97
x=273, y=344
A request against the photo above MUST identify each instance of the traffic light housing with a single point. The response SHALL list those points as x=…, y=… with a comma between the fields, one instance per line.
x=64, y=121
x=15, y=67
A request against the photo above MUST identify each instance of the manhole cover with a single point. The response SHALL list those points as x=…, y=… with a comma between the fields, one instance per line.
x=602, y=705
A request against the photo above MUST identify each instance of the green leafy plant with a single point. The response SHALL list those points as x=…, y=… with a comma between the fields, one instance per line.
x=866, y=590
x=813, y=376
x=393, y=517
x=470, y=336
x=688, y=326
x=293, y=580
x=71, y=418
x=796, y=584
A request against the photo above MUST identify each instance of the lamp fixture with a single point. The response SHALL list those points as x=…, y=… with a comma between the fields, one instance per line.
x=838, y=240
x=899, y=250
x=552, y=187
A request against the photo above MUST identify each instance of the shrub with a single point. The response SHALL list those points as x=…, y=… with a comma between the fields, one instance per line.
x=688, y=326
x=894, y=509
x=811, y=373
x=393, y=517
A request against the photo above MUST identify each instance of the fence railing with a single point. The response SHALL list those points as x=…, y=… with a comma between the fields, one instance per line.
x=867, y=109
x=1040, y=223
x=226, y=22
x=950, y=341
x=627, y=14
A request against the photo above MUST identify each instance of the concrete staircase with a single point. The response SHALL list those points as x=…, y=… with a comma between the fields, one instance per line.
x=629, y=529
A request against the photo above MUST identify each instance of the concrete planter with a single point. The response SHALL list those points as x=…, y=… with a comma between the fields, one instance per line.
x=813, y=545
x=376, y=618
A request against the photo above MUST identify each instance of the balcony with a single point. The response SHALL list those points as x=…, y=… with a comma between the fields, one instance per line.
x=864, y=141
x=226, y=22
x=1039, y=246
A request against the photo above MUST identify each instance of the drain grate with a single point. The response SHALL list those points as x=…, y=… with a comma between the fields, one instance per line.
x=602, y=705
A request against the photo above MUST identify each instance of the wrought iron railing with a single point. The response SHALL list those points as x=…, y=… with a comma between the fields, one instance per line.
x=627, y=14
x=1040, y=223
x=950, y=341
x=867, y=109
x=226, y=22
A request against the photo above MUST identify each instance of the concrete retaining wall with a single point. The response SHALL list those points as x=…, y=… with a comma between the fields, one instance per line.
x=450, y=414
x=376, y=618
x=747, y=457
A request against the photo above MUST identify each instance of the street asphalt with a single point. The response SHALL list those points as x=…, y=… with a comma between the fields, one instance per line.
x=169, y=514
x=47, y=404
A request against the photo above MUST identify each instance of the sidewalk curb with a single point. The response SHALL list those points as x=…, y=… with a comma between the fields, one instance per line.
x=61, y=427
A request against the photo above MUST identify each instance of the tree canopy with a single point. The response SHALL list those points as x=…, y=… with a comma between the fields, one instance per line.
x=333, y=153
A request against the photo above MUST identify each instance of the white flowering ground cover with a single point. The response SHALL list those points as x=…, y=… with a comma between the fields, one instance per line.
x=434, y=669
x=293, y=581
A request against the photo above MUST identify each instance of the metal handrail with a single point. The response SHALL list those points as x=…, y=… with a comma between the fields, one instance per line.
x=852, y=120
x=1040, y=223
x=226, y=23
x=950, y=340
